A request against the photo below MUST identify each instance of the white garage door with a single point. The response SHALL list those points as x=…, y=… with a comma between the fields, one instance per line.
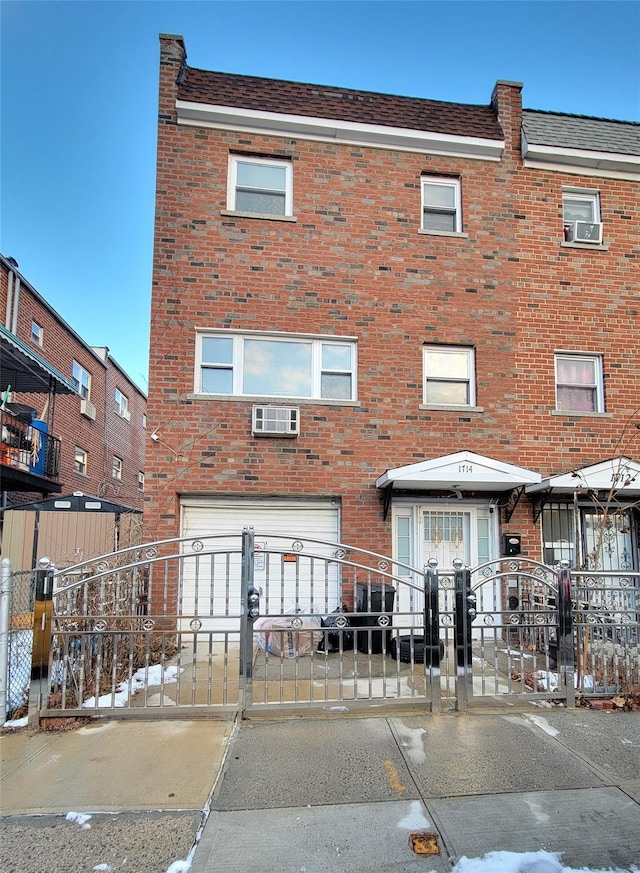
x=288, y=577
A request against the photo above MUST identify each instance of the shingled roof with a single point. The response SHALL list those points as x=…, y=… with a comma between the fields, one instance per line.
x=581, y=132
x=320, y=101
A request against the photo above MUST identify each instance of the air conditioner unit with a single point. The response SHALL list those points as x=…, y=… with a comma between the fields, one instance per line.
x=279, y=421
x=126, y=415
x=583, y=231
x=88, y=409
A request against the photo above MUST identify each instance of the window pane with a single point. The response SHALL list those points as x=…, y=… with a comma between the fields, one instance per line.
x=443, y=196
x=439, y=221
x=448, y=392
x=217, y=350
x=281, y=369
x=336, y=387
x=265, y=204
x=447, y=363
x=577, y=399
x=217, y=381
x=576, y=371
x=261, y=176
x=578, y=210
x=336, y=357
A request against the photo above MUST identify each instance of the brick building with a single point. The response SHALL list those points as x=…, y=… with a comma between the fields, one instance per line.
x=400, y=323
x=93, y=431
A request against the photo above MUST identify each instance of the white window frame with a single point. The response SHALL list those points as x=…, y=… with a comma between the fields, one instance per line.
x=116, y=468
x=37, y=334
x=81, y=378
x=144, y=420
x=121, y=404
x=140, y=480
x=236, y=367
x=470, y=381
x=597, y=386
x=232, y=188
x=583, y=195
x=427, y=181
x=80, y=461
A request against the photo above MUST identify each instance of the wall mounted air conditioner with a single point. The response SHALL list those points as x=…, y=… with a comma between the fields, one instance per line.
x=583, y=231
x=275, y=421
x=88, y=409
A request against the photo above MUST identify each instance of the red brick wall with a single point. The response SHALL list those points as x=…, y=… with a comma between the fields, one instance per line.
x=102, y=438
x=354, y=264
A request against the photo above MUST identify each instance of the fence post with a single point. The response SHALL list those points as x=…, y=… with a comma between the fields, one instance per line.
x=432, y=633
x=5, y=599
x=38, y=689
x=566, y=650
x=249, y=611
x=464, y=614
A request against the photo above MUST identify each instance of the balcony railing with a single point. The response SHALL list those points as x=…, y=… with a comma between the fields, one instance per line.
x=25, y=447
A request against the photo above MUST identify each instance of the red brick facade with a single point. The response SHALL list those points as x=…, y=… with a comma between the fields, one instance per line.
x=101, y=438
x=353, y=264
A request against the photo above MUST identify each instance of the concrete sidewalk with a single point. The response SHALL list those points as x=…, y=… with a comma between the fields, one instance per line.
x=331, y=795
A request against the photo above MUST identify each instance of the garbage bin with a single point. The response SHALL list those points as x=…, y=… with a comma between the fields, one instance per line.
x=376, y=598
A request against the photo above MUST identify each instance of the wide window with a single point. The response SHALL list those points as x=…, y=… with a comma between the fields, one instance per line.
x=265, y=366
x=260, y=186
x=121, y=404
x=441, y=205
x=579, y=383
x=581, y=216
x=81, y=380
x=449, y=376
x=80, y=461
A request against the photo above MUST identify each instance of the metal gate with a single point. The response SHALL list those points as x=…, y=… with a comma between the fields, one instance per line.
x=262, y=621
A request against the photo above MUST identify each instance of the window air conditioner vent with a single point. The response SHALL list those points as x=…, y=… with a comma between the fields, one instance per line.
x=88, y=409
x=278, y=421
x=583, y=231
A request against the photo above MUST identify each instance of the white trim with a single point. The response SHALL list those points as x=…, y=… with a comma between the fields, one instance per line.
x=232, y=182
x=456, y=211
x=470, y=380
x=332, y=130
x=598, y=384
x=585, y=162
x=596, y=477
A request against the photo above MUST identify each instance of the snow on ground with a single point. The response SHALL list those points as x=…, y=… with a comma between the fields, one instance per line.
x=80, y=818
x=144, y=677
x=525, y=862
x=16, y=723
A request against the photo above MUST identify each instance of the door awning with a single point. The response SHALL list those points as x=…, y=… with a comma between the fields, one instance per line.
x=620, y=474
x=24, y=370
x=461, y=471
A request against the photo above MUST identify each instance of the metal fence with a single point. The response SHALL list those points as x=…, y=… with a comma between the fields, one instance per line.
x=22, y=587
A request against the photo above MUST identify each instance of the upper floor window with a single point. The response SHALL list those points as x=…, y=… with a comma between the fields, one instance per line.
x=581, y=216
x=80, y=461
x=449, y=376
x=81, y=380
x=37, y=333
x=116, y=468
x=122, y=404
x=260, y=186
x=441, y=204
x=275, y=366
x=579, y=383
x=140, y=480
x=144, y=420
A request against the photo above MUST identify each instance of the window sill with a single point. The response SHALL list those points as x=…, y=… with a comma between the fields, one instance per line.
x=445, y=408
x=574, y=413
x=274, y=401
x=601, y=247
x=266, y=216
x=443, y=233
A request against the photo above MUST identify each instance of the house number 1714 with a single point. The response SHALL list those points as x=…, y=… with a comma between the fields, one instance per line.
x=465, y=468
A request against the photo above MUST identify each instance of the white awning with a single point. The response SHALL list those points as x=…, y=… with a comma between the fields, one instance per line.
x=620, y=474
x=462, y=471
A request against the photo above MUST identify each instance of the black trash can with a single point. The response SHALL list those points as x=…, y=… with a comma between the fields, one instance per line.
x=376, y=598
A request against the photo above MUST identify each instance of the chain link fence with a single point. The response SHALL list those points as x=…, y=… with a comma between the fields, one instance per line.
x=21, y=606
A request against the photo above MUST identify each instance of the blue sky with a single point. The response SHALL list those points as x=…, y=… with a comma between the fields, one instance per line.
x=79, y=101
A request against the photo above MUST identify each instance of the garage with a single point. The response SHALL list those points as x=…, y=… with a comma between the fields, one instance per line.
x=283, y=569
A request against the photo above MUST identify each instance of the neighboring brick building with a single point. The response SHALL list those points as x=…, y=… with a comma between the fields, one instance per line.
x=100, y=426
x=405, y=324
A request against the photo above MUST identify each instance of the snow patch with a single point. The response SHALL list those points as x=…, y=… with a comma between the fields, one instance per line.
x=145, y=677
x=16, y=723
x=524, y=862
x=543, y=724
x=411, y=739
x=415, y=819
x=79, y=818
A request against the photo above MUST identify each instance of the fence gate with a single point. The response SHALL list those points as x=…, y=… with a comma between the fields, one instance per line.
x=259, y=621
